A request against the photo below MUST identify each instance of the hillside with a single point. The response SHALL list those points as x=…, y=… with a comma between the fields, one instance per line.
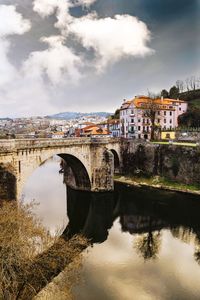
x=76, y=115
x=192, y=117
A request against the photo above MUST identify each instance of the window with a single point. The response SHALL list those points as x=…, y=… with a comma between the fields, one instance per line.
x=179, y=108
x=170, y=121
x=132, y=111
x=170, y=113
x=164, y=113
x=139, y=128
x=164, y=120
x=139, y=120
x=158, y=120
x=159, y=113
x=132, y=120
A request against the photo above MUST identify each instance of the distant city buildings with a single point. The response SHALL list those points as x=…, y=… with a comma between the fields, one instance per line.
x=132, y=120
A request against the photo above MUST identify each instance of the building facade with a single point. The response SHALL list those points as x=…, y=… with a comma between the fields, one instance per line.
x=135, y=121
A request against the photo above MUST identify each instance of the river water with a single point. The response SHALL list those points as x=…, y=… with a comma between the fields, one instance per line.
x=145, y=243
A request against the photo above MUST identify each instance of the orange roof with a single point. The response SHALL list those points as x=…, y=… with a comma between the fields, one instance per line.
x=96, y=130
x=58, y=133
x=88, y=123
x=165, y=101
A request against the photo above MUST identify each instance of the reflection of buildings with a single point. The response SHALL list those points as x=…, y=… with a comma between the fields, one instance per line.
x=139, y=212
x=141, y=224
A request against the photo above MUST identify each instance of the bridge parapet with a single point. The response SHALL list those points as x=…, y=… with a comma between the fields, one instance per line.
x=20, y=144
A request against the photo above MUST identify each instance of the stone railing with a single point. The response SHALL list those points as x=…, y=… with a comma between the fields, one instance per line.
x=20, y=144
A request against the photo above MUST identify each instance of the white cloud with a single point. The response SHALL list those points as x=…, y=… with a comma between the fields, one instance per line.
x=11, y=23
x=58, y=61
x=112, y=38
x=46, y=8
x=84, y=3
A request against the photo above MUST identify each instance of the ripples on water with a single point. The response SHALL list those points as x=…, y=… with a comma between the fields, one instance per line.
x=145, y=244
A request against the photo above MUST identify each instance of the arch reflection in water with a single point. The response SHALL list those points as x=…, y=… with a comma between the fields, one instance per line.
x=143, y=212
x=133, y=225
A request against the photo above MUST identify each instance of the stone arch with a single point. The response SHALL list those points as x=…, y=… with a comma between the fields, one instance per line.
x=116, y=161
x=7, y=182
x=75, y=173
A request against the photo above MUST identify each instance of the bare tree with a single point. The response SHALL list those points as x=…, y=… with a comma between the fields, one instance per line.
x=187, y=82
x=180, y=85
x=151, y=107
x=148, y=245
x=193, y=82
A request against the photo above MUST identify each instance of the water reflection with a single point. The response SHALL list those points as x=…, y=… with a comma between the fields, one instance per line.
x=145, y=242
x=45, y=186
x=131, y=226
x=140, y=211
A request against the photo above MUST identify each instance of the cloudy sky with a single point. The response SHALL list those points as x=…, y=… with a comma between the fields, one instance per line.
x=88, y=55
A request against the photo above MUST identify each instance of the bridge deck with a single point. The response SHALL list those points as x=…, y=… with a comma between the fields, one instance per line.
x=19, y=144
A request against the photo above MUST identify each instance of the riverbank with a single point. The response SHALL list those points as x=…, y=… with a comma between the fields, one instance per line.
x=158, y=183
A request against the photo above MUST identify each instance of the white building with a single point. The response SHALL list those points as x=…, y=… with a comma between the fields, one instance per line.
x=134, y=120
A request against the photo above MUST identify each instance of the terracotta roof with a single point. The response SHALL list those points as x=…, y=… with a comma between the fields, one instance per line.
x=95, y=130
x=58, y=133
x=88, y=123
x=137, y=101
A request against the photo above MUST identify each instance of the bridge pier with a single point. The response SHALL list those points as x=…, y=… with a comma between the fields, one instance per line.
x=101, y=175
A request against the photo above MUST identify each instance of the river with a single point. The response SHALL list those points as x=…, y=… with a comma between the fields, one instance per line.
x=145, y=243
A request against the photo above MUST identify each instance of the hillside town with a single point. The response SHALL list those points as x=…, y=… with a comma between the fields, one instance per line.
x=142, y=117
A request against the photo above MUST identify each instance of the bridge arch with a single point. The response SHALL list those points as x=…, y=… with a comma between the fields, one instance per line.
x=75, y=170
x=75, y=173
x=116, y=161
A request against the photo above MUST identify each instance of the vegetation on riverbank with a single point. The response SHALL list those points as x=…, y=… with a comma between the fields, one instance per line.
x=160, y=183
x=29, y=257
x=186, y=144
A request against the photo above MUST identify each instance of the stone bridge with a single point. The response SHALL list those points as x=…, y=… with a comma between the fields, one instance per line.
x=88, y=163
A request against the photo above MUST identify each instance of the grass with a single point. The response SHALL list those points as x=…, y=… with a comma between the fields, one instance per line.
x=159, y=182
x=195, y=103
x=177, y=144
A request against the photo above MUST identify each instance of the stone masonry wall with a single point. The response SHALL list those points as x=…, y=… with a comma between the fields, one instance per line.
x=177, y=163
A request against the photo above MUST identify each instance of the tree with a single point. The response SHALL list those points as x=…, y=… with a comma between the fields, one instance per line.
x=180, y=85
x=150, y=108
x=174, y=92
x=193, y=82
x=191, y=118
x=148, y=245
x=116, y=115
x=164, y=94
